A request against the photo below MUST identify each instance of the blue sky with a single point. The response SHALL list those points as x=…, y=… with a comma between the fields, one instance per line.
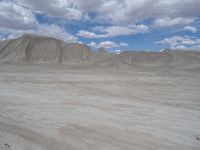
x=149, y=25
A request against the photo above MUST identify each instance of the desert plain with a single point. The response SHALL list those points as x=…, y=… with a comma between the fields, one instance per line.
x=64, y=107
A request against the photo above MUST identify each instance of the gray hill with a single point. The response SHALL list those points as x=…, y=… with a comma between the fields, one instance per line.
x=41, y=50
x=31, y=48
x=74, y=53
x=102, y=54
x=153, y=59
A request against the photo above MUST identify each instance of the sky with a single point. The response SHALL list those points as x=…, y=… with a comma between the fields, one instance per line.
x=117, y=25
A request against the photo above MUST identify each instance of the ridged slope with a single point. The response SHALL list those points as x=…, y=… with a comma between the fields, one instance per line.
x=13, y=50
x=153, y=59
x=73, y=53
x=40, y=49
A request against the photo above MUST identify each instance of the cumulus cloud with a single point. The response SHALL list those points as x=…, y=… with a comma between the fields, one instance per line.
x=58, y=8
x=114, y=31
x=127, y=11
x=108, y=44
x=118, y=51
x=16, y=17
x=87, y=6
x=180, y=42
x=46, y=30
x=55, y=31
x=17, y=20
x=115, y=17
x=115, y=11
x=167, y=22
x=105, y=44
x=179, y=47
x=191, y=29
x=123, y=44
x=92, y=44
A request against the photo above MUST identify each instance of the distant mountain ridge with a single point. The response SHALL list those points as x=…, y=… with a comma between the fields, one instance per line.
x=47, y=50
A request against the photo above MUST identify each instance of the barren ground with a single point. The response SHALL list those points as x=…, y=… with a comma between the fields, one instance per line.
x=71, y=108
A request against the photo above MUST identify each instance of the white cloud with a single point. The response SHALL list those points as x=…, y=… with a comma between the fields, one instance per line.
x=108, y=44
x=118, y=51
x=55, y=31
x=87, y=6
x=17, y=20
x=123, y=17
x=167, y=22
x=180, y=42
x=87, y=34
x=191, y=29
x=57, y=8
x=179, y=47
x=16, y=17
x=114, y=31
x=128, y=11
x=123, y=44
x=2, y=38
x=45, y=30
x=117, y=12
x=119, y=30
x=105, y=44
x=92, y=44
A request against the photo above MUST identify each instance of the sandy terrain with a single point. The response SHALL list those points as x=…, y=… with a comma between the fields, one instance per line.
x=65, y=108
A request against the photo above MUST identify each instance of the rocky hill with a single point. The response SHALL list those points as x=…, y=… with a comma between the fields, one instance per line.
x=38, y=49
x=46, y=50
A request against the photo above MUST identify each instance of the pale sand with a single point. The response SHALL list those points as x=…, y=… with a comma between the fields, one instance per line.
x=64, y=108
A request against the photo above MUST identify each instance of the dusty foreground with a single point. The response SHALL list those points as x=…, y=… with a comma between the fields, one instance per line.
x=64, y=108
